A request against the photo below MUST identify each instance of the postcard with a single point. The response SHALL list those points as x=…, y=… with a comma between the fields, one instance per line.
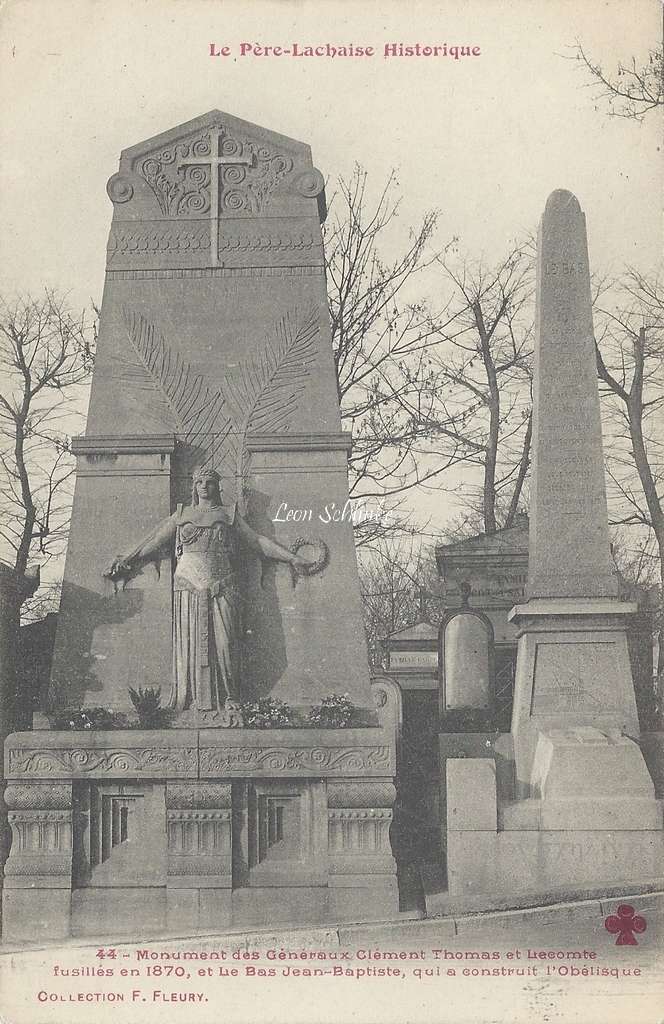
x=330, y=554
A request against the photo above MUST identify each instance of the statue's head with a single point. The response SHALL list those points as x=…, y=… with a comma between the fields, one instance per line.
x=205, y=483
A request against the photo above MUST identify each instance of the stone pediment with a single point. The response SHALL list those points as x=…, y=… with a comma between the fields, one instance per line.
x=234, y=126
x=415, y=633
x=216, y=166
x=495, y=566
x=510, y=542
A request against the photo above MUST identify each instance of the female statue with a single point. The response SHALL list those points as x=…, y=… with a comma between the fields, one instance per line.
x=206, y=615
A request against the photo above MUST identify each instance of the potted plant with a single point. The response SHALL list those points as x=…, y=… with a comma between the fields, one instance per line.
x=334, y=712
x=150, y=713
x=89, y=718
x=267, y=713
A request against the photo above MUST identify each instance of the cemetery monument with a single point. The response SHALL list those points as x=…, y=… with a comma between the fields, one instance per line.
x=580, y=810
x=213, y=405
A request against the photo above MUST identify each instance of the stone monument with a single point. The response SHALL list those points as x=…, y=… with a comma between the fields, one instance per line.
x=202, y=571
x=573, y=664
x=582, y=810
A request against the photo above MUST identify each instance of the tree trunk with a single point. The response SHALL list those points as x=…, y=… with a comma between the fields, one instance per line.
x=489, y=487
x=654, y=505
x=23, y=551
x=524, y=463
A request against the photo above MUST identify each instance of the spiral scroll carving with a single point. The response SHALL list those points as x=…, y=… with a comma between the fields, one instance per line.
x=184, y=175
x=119, y=189
x=309, y=183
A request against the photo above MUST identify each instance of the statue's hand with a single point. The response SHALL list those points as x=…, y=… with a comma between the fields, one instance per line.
x=307, y=567
x=301, y=564
x=119, y=569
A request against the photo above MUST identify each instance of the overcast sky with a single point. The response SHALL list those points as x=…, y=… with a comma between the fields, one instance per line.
x=483, y=138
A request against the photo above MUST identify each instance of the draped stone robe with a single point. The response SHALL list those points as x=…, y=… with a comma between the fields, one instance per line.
x=205, y=613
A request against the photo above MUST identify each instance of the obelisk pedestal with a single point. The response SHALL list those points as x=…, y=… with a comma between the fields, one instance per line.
x=583, y=811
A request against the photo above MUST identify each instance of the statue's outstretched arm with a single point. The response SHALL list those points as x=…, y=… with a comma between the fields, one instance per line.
x=265, y=547
x=148, y=547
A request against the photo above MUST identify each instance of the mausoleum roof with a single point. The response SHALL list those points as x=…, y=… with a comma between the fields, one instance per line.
x=510, y=540
x=418, y=631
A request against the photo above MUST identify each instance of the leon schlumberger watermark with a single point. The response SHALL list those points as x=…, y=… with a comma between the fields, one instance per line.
x=355, y=512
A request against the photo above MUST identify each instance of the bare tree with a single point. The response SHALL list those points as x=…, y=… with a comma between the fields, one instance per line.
x=634, y=88
x=426, y=391
x=46, y=354
x=398, y=582
x=630, y=365
x=637, y=570
x=481, y=382
x=381, y=333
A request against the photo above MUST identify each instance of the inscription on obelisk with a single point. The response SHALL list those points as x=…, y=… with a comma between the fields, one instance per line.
x=569, y=537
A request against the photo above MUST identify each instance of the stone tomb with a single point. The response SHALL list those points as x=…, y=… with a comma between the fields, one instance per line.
x=581, y=811
x=213, y=413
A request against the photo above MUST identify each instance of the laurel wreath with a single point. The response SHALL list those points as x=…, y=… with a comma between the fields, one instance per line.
x=321, y=561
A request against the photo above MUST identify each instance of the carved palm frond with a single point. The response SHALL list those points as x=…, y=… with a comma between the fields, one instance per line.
x=196, y=411
x=265, y=392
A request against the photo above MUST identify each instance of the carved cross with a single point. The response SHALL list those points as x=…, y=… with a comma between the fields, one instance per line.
x=215, y=162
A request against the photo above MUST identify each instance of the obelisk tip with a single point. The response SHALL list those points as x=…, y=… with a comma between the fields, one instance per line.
x=561, y=201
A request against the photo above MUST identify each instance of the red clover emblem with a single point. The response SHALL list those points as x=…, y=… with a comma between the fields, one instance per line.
x=624, y=923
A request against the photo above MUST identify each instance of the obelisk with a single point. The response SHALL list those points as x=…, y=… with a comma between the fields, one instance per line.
x=573, y=684
x=582, y=811
x=569, y=554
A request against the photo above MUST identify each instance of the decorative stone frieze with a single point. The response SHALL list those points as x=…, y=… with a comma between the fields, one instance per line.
x=198, y=824
x=271, y=760
x=112, y=755
x=40, y=817
x=359, y=819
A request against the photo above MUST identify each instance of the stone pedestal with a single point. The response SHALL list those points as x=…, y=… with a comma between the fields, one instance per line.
x=573, y=669
x=545, y=846
x=132, y=833
x=199, y=876
x=363, y=883
x=588, y=779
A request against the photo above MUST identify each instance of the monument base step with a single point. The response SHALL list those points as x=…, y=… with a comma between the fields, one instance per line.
x=43, y=914
x=441, y=903
x=544, y=861
x=523, y=914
